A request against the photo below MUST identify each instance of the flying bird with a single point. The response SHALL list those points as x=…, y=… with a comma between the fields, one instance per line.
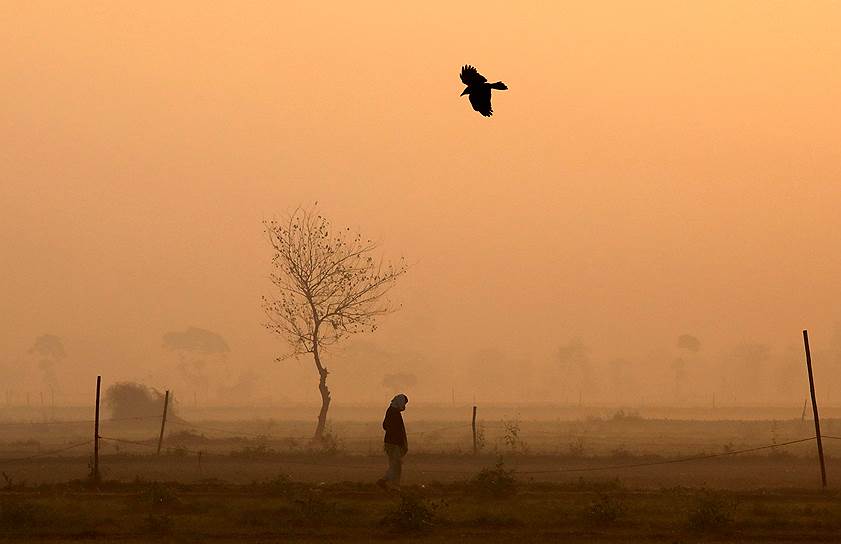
x=478, y=89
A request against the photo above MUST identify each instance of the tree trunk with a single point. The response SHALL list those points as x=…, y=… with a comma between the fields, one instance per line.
x=325, y=397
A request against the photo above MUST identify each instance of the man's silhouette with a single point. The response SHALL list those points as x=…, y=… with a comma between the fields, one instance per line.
x=395, y=443
x=479, y=90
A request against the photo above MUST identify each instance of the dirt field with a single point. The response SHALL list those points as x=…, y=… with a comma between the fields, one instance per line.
x=281, y=510
x=613, y=478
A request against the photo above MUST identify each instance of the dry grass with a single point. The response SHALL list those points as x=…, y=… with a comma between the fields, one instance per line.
x=362, y=513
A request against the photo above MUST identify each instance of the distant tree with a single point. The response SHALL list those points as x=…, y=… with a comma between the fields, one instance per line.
x=135, y=400
x=50, y=349
x=328, y=286
x=193, y=345
x=689, y=343
x=574, y=360
x=48, y=345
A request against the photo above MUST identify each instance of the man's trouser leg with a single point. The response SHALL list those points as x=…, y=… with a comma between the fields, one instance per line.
x=395, y=463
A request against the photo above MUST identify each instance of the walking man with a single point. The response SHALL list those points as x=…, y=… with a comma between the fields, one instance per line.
x=395, y=443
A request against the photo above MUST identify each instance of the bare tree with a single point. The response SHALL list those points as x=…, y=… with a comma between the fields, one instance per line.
x=328, y=286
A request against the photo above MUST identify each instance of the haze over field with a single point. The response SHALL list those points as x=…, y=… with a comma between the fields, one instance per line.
x=656, y=169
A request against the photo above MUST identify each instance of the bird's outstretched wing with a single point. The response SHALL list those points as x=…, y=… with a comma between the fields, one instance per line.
x=470, y=76
x=480, y=99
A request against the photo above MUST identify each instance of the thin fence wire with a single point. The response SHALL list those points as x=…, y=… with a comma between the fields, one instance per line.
x=46, y=453
x=74, y=422
x=547, y=471
x=673, y=461
x=421, y=434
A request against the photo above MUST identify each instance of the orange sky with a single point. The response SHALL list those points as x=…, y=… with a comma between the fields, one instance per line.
x=656, y=168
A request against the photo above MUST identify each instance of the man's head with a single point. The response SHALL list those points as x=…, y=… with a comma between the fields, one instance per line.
x=400, y=401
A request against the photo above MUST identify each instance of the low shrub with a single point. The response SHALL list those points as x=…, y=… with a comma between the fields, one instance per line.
x=497, y=482
x=279, y=486
x=605, y=510
x=412, y=513
x=313, y=509
x=711, y=512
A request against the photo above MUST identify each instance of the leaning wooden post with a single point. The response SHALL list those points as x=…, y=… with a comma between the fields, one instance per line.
x=474, y=431
x=814, y=406
x=96, y=434
x=163, y=422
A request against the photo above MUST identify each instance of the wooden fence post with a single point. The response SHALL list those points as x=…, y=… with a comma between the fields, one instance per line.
x=475, y=450
x=163, y=422
x=95, y=475
x=814, y=407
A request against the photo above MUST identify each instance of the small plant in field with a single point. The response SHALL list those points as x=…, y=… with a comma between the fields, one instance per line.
x=157, y=524
x=481, y=441
x=258, y=451
x=497, y=482
x=312, y=509
x=511, y=435
x=711, y=512
x=621, y=415
x=10, y=485
x=412, y=513
x=576, y=447
x=605, y=510
x=279, y=486
x=159, y=495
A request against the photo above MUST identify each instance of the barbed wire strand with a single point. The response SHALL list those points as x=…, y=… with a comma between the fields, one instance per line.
x=46, y=453
x=672, y=461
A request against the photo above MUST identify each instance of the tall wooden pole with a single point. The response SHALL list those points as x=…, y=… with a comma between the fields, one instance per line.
x=96, y=434
x=163, y=422
x=814, y=406
x=474, y=431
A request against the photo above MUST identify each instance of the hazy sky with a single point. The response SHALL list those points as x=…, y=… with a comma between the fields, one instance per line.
x=656, y=168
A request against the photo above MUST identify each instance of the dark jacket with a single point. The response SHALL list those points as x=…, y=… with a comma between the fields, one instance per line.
x=395, y=431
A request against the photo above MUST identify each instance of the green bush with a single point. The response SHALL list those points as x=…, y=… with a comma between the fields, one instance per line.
x=497, y=482
x=412, y=513
x=313, y=509
x=711, y=512
x=279, y=486
x=605, y=510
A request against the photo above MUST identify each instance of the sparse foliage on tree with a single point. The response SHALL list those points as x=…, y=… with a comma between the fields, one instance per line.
x=329, y=285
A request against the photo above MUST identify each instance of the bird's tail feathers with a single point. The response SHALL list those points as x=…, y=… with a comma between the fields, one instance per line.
x=499, y=86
